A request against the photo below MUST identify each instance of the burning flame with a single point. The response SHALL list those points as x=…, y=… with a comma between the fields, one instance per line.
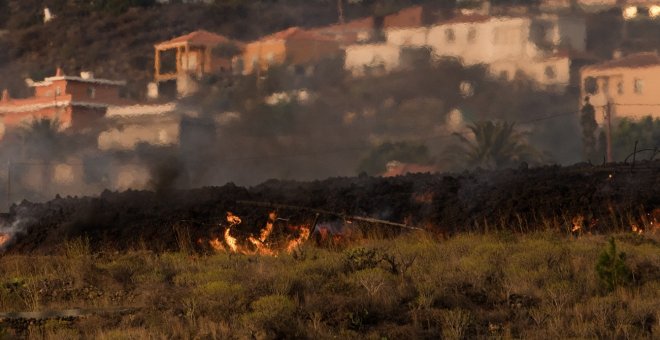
x=216, y=244
x=297, y=242
x=261, y=245
x=4, y=238
x=231, y=241
x=578, y=222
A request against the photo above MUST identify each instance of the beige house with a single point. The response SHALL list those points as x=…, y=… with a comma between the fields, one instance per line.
x=630, y=85
x=509, y=45
x=513, y=44
x=128, y=126
x=372, y=59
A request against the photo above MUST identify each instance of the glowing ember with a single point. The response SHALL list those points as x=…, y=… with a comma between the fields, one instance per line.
x=4, y=238
x=578, y=222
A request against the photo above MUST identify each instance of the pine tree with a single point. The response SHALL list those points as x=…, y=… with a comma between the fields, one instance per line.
x=612, y=269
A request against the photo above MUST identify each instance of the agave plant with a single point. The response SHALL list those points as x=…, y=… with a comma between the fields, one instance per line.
x=495, y=145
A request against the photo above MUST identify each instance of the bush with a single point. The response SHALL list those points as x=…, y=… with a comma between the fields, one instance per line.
x=361, y=258
x=273, y=315
x=612, y=269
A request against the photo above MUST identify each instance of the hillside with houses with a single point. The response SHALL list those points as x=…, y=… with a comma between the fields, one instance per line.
x=142, y=94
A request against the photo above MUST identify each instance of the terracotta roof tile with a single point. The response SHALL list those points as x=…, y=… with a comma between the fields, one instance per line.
x=295, y=33
x=637, y=60
x=363, y=24
x=200, y=37
x=467, y=18
x=407, y=17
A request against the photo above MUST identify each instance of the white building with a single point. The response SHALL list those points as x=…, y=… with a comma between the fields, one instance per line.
x=128, y=126
x=509, y=45
x=372, y=59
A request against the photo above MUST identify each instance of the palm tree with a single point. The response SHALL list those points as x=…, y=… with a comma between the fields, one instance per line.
x=495, y=145
x=41, y=139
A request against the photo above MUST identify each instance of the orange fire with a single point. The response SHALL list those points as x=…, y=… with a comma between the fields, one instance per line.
x=578, y=222
x=261, y=245
x=298, y=241
x=231, y=241
x=4, y=238
x=216, y=244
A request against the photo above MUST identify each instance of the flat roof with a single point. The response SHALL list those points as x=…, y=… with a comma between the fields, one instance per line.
x=50, y=80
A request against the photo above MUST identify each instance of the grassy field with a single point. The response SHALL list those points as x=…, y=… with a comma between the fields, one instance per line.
x=542, y=285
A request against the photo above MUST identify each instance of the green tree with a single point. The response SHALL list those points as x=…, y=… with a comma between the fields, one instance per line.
x=41, y=139
x=646, y=132
x=612, y=269
x=589, y=129
x=495, y=145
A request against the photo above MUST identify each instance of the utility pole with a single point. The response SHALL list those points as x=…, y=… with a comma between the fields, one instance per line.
x=340, y=10
x=8, y=186
x=608, y=136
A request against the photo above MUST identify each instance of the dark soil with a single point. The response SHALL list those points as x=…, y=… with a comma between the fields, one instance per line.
x=522, y=200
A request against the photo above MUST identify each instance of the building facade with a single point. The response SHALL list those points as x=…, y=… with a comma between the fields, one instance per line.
x=529, y=45
x=293, y=46
x=628, y=87
x=73, y=101
x=191, y=56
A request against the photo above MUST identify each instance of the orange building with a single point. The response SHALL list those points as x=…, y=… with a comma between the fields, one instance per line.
x=294, y=45
x=630, y=85
x=196, y=53
x=75, y=102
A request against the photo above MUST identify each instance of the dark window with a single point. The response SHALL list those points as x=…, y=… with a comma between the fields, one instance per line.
x=639, y=86
x=91, y=92
x=450, y=35
x=472, y=34
x=619, y=87
x=590, y=85
x=550, y=72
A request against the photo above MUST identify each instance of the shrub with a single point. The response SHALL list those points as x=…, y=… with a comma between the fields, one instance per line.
x=361, y=258
x=612, y=269
x=272, y=314
x=455, y=323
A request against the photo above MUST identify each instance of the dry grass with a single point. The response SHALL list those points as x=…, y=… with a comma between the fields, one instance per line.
x=473, y=285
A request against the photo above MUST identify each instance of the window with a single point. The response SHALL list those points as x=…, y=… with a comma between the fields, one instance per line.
x=619, y=87
x=472, y=34
x=91, y=92
x=590, y=85
x=550, y=72
x=639, y=86
x=450, y=36
x=58, y=91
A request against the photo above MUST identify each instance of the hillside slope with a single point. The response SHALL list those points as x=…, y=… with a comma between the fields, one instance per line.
x=120, y=45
